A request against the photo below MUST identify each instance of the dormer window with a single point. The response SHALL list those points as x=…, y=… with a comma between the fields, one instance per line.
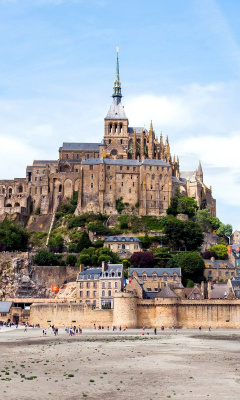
x=154, y=277
x=144, y=277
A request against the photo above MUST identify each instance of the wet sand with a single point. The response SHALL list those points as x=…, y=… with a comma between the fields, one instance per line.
x=120, y=365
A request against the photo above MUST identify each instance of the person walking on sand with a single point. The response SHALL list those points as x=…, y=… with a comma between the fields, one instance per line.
x=25, y=329
x=155, y=330
x=209, y=328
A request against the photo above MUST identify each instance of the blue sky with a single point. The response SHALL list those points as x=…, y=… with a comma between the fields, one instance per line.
x=179, y=66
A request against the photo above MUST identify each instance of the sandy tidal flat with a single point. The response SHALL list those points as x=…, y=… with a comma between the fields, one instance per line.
x=120, y=365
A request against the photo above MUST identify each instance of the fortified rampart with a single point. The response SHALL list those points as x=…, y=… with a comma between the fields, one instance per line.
x=135, y=313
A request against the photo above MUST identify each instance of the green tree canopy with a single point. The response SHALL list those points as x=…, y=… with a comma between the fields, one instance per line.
x=94, y=256
x=182, y=205
x=56, y=243
x=71, y=260
x=220, y=250
x=192, y=266
x=13, y=236
x=187, y=234
x=84, y=242
x=45, y=257
x=203, y=218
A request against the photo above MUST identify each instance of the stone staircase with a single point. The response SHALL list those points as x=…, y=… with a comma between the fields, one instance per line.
x=56, y=205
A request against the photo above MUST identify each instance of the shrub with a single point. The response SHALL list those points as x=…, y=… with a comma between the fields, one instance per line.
x=38, y=210
x=13, y=236
x=56, y=243
x=120, y=205
x=71, y=260
x=44, y=257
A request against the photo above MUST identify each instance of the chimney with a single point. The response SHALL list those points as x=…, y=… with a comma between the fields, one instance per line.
x=202, y=289
x=81, y=268
x=230, y=249
x=104, y=266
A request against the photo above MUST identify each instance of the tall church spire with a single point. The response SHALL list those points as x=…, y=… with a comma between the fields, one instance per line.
x=117, y=95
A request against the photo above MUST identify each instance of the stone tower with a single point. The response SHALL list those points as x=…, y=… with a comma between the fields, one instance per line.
x=116, y=122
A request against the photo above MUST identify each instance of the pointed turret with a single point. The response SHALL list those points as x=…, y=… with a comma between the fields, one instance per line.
x=199, y=171
x=151, y=142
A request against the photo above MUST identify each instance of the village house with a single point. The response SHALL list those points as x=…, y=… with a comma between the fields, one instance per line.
x=124, y=246
x=217, y=270
x=96, y=286
x=153, y=279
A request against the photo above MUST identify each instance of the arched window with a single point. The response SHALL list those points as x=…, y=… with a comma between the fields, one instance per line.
x=16, y=205
x=9, y=205
x=67, y=156
x=20, y=189
x=153, y=176
x=109, y=293
x=10, y=190
x=121, y=127
x=115, y=128
x=110, y=128
x=103, y=293
x=60, y=188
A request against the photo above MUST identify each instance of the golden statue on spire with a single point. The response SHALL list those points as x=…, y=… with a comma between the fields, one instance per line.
x=117, y=47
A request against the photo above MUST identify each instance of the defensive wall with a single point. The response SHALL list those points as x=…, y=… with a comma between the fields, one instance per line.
x=134, y=312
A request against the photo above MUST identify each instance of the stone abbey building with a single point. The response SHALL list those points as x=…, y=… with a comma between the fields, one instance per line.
x=130, y=163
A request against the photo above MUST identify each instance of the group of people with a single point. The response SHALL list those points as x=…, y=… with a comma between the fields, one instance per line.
x=73, y=330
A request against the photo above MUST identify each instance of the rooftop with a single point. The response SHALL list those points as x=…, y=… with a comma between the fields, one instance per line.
x=158, y=271
x=80, y=146
x=121, y=239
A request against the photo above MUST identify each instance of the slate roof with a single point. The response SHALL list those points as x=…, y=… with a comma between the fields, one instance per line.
x=219, y=291
x=116, y=111
x=5, y=306
x=137, y=129
x=98, y=271
x=120, y=161
x=166, y=293
x=159, y=271
x=80, y=146
x=121, y=239
x=235, y=281
x=181, y=180
x=218, y=264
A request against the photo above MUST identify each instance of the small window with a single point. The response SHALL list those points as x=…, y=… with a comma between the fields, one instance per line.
x=34, y=179
x=81, y=293
x=109, y=284
x=108, y=167
x=94, y=284
x=94, y=293
x=116, y=285
x=90, y=166
x=127, y=168
x=88, y=285
x=81, y=285
x=88, y=293
x=77, y=156
x=109, y=293
x=87, y=155
x=103, y=285
x=67, y=156
x=92, y=176
x=91, y=185
x=76, y=170
x=165, y=277
x=154, y=277
x=120, y=168
x=134, y=168
x=103, y=293
x=144, y=277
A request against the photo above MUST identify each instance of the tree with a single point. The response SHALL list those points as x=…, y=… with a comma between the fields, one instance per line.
x=187, y=234
x=56, y=244
x=71, y=260
x=224, y=230
x=192, y=266
x=93, y=256
x=142, y=259
x=203, y=219
x=187, y=205
x=162, y=256
x=220, y=250
x=98, y=227
x=84, y=242
x=182, y=205
x=13, y=236
x=44, y=257
x=146, y=241
x=175, y=260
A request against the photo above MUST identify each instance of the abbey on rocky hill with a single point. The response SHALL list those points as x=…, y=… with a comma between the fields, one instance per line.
x=130, y=163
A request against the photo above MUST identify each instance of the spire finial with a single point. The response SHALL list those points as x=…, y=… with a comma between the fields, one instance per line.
x=117, y=83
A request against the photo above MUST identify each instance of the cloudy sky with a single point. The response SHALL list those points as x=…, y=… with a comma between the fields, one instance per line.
x=179, y=66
